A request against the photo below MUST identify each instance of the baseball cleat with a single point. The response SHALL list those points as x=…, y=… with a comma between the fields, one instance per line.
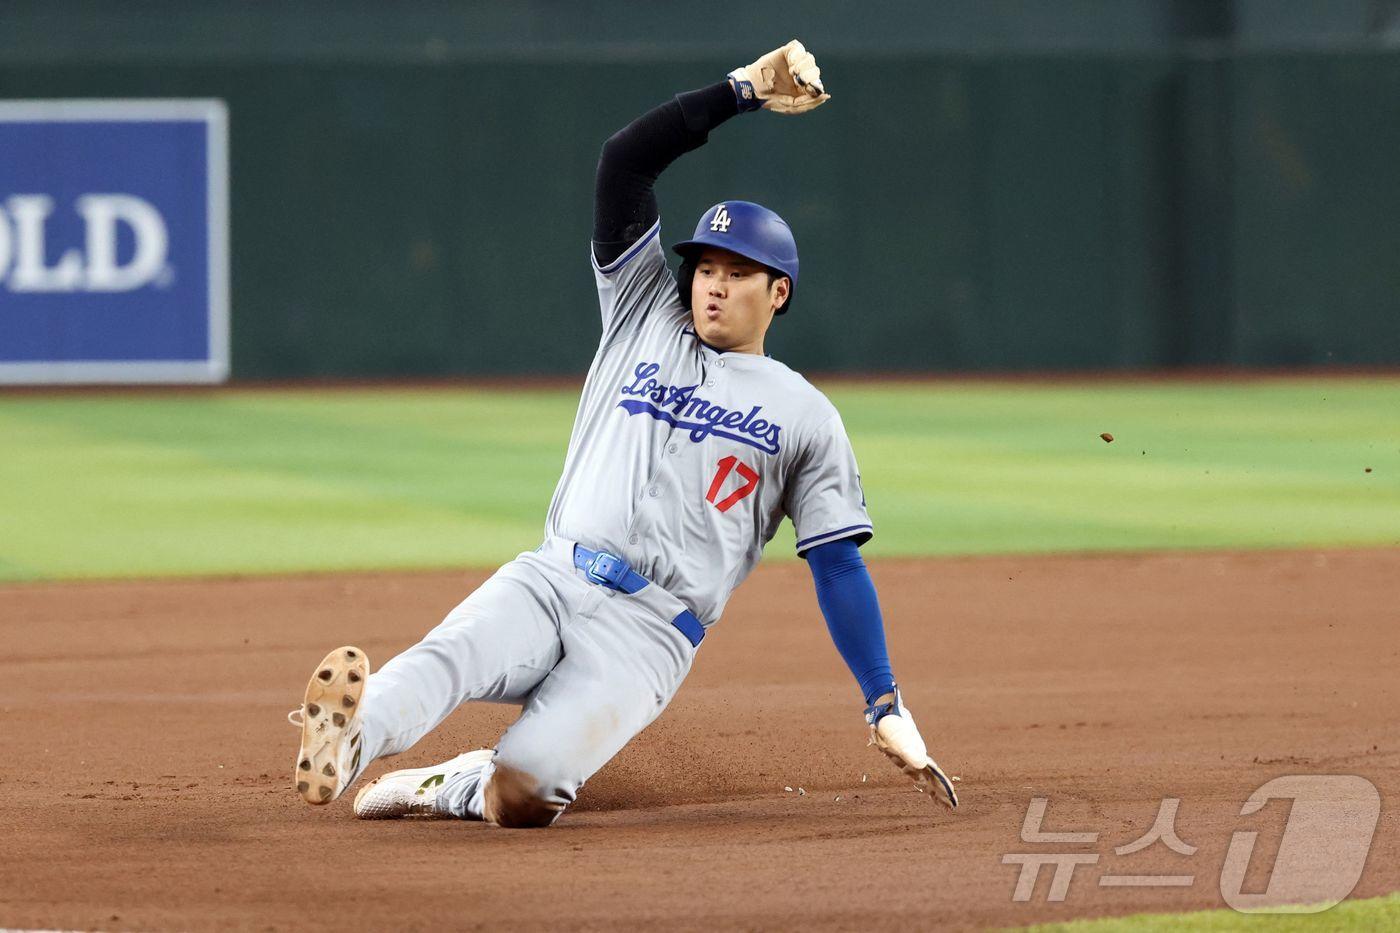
x=413, y=792
x=330, y=723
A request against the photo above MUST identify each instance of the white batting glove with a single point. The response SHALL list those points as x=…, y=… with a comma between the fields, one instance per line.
x=893, y=732
x=786, y=80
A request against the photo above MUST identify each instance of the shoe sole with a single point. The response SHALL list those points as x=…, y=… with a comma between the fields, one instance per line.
x=330, y=711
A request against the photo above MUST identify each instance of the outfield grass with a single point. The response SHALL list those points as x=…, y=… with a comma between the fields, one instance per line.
x=258, y=481
x=1379, y=913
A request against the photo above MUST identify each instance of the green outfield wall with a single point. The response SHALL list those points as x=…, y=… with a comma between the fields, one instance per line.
x=428, y=214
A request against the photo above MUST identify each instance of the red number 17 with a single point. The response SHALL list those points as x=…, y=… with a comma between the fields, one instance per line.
x=727, y=466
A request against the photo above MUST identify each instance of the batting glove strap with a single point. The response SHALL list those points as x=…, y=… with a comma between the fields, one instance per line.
x=744, y=94
x=877, y=710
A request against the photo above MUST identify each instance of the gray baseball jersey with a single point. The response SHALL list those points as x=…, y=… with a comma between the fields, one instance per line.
x=684, y=459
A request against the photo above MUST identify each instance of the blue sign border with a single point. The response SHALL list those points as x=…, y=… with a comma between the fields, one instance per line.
x=215, y=366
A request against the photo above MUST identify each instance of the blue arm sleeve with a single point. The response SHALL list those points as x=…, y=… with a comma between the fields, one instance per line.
x=847, y=598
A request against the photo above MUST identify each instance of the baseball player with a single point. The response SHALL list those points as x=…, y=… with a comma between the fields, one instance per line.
x=689, y=448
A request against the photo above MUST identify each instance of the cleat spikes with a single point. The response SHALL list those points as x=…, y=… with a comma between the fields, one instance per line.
x=331, y=752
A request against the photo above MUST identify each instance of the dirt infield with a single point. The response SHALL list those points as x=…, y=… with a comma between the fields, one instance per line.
x=147, y=769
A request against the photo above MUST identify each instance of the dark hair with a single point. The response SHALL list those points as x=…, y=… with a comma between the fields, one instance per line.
x=687, y=277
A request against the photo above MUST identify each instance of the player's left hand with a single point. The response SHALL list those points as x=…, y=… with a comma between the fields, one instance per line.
x=786, y=80
x=893, y=732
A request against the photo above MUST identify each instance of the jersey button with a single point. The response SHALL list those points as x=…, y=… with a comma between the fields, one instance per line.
x=653, y=492
x=673, y=448
x=719, y=363
x=710, y=383
x=633, y=538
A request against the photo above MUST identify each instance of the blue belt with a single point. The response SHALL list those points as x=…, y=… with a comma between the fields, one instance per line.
x=613, y=572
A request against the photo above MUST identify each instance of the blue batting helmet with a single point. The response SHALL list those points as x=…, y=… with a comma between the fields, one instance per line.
x=748, y=229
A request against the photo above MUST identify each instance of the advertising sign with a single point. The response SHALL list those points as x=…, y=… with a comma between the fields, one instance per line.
x=113, y=241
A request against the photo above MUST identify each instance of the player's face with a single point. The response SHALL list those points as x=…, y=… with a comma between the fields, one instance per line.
x=732, y=301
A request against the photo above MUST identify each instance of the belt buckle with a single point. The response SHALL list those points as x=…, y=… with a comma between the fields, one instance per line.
x=607, y=569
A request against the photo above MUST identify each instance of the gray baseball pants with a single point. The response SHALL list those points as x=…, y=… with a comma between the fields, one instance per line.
x=592, y=667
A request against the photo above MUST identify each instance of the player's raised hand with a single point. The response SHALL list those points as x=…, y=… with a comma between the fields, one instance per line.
x=893, y=732
x=786, y=80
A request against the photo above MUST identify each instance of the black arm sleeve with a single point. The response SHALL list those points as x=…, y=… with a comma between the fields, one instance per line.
x=624, y=204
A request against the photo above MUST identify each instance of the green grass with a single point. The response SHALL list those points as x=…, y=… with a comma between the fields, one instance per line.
x=129, y=484
x=1379, y=913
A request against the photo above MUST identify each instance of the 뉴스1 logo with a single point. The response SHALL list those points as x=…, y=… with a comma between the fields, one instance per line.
x=1317, y=863
x=24, y=263
x=721, y=219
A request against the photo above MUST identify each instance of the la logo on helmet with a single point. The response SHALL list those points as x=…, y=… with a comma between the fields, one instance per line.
x=721, y=221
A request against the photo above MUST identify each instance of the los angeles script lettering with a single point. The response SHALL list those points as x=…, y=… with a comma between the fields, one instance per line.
x=703, y=418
